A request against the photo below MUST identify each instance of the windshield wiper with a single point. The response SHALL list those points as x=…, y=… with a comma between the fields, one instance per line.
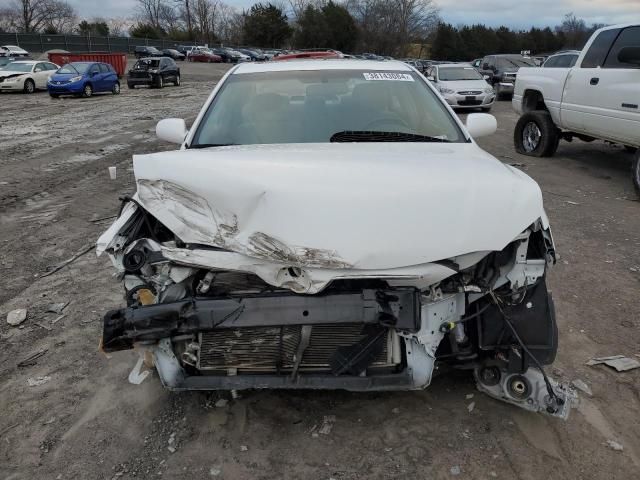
x=373, y=136
x=207, y=145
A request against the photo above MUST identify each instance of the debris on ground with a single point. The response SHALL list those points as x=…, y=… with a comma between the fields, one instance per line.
x=455, y=470
x=619, y=362
x=139, y=372
x=243, y=448
x=57, y=308
x=582, y=386
x=613, y=445
x=571, y=202
x=16, y=317
x=31, y=359
x=221, y=403
x=395, y=410
x=37, y=381
x=471, y=406
x=327, y=424
x=469, y=396
x=215, y=471
x=171, y=449
x=82, y=252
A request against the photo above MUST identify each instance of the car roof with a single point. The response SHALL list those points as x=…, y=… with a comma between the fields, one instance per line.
x=31, y=62
x=319, y=64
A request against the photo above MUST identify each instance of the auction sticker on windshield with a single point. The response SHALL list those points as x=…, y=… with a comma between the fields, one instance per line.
x=393, y=76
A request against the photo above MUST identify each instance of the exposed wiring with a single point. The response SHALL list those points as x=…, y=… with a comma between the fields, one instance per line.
x=506, y=319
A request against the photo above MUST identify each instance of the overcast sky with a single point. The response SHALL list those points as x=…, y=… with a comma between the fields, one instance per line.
x=513, y=13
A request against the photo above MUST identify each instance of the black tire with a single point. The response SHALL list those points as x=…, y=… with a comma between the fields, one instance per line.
x=159, y=82
x=635, y=173
x=131, y=86
x=630, y=149
x=176, y=82
x=87, y=91
x=116, y=88
x=536, y=135
x=29, y=86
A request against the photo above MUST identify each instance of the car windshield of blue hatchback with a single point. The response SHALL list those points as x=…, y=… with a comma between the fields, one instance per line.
x=75, y=68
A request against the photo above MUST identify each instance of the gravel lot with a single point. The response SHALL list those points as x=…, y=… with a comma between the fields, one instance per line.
x=86, y=421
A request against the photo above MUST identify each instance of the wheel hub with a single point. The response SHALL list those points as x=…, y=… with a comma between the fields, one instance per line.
x=531, y=135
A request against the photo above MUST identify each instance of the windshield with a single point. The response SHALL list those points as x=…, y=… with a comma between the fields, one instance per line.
x=18, y=67
x=517, y=62
x=323, y=106
x=75, y=68
x=146, y=63
x=458, y=73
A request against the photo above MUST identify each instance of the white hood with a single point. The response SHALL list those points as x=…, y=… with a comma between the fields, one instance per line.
x=340, y=206
x=458, y=85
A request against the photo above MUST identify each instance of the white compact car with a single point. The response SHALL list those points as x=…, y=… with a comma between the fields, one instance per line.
x=332, y=224
x=462, y=86
x=12, y=51
x=26, y=76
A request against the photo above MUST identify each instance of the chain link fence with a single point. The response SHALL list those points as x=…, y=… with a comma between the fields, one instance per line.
x=34, y=42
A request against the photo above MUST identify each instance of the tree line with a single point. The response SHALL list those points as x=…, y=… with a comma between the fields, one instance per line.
x=385, y=27
x=473, y=41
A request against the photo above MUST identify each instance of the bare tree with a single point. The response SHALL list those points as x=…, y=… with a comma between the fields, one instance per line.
x=34, y=15
x=389, y=26
x=63, y=20
x=118, y=26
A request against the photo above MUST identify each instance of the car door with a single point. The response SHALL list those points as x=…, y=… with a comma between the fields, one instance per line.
x=109, y=77
x=95, y=77
x=40, y=75
x=583, y=107
x=487, y=66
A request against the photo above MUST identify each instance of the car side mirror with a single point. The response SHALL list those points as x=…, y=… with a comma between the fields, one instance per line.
x=431, y=79
x=481, y=124
x=629, y=55
x=485, y=66
x=486, y=77
x=173, y=130
x=37, y=69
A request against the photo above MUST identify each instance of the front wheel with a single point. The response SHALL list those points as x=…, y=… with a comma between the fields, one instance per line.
x=116, y=88
x=635, y=170
x=177, y=81
x=159, y=82
x=536, y=135
x=29, y=86
x=87, y=91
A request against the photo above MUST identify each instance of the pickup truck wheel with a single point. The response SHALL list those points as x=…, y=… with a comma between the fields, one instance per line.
x=635, y=169
x=536, y=135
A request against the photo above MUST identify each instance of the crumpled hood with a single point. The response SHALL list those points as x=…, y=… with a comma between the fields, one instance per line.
x=364, y=206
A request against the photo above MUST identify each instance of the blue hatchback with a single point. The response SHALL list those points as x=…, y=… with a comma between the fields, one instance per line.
x=83, y=79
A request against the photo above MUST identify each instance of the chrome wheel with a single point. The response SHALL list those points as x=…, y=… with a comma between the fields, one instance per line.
x=116, y=89
x=88, y=91
x=29, y=86
x=531, y=136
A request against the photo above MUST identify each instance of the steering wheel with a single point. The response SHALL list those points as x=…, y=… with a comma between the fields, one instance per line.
x=388, y=120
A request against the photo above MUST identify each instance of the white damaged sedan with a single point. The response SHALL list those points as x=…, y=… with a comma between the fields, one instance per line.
x=26, y=76
x=332, y=224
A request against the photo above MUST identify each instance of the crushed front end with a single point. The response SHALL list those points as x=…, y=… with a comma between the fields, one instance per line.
x=214, y=318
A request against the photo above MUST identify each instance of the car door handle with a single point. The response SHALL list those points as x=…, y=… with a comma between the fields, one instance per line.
x=594, y=81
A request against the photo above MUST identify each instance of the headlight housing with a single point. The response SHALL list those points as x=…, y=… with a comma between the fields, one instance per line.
x=446, y=90
x=76, y=79
x=12, y=79
x=488, y=90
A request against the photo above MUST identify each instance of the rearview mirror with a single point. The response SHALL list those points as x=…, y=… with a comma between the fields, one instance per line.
x=629, y=55
x=172, y=130
x=481, y=124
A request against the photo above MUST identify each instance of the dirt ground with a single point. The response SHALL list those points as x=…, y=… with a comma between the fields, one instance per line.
x=86, y=421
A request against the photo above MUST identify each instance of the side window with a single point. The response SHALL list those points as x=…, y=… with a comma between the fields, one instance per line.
x=94, y=69
x=598, y=50
x=630, y=37
x=573, y=60
x=104, y=68
x=551, y=62
x=40, y=67
x=51, y=66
